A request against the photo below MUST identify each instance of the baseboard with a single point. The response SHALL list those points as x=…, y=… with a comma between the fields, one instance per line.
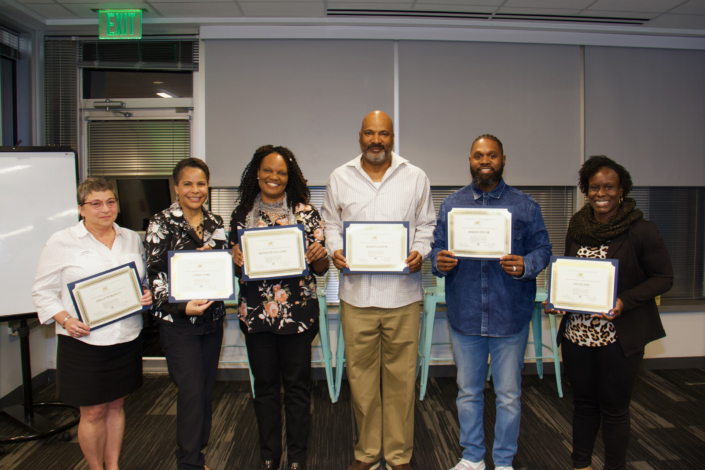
x=17, y=395
x=655, y=363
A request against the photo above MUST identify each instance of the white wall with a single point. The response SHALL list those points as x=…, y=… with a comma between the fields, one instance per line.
x=42, y=345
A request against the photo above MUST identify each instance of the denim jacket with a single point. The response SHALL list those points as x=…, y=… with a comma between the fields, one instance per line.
x=482, y=299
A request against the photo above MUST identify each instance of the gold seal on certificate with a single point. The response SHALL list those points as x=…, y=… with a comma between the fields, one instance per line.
x=376, y=247
x=582, y=285
x=197, y=274
x=273, y=252
x=108, y=296
x=480, y=232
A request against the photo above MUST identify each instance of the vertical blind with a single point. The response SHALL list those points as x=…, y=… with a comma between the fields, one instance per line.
x=60, y=82
x=679, y=214
x=556, y=203
x=137, y=148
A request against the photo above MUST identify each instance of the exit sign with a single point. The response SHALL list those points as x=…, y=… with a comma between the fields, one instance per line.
x=120, y=24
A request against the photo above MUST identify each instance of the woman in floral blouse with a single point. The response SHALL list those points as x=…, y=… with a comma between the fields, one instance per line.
x=279, y=316
x=190, y=333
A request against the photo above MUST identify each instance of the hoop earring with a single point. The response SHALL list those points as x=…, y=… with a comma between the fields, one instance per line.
x=621, y=199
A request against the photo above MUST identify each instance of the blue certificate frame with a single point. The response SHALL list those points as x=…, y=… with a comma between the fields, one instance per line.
x=72, y=285
x=610, y=267
x=274, y=274
x=348, y=225
x=200, y=253
x=479, y=257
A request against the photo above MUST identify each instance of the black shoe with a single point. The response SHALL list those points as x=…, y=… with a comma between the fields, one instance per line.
x=297, y=466
x=270, y=464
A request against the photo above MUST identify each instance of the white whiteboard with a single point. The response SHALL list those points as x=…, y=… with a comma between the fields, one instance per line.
x=38, y=197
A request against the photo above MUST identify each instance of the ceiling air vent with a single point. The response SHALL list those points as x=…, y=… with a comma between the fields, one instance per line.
x=483, y=16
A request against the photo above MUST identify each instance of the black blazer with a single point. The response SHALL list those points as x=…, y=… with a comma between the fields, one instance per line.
x=645, y=272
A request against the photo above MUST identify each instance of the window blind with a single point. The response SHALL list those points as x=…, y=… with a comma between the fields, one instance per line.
x=679, y=214
x=137, y=148
x=144, y=54
x=556, y=205
x=60, y=92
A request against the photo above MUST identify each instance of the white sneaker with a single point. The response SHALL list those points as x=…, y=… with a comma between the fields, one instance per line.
x=468, y=465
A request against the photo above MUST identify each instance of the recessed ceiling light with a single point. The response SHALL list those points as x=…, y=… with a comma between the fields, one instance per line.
x=157, y=83
x=164, y=95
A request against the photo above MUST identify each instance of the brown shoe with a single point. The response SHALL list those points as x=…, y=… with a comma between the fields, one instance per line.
x=404, y=466
x=360, y=465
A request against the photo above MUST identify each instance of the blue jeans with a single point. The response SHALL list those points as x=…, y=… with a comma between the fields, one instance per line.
x=470, y=354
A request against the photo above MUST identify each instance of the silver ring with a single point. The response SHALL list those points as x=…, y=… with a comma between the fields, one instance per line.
x=515, y=268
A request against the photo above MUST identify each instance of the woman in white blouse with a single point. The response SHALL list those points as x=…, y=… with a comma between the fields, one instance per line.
x=95, y=369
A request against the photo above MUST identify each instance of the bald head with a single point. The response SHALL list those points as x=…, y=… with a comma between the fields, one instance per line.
x=377, y=137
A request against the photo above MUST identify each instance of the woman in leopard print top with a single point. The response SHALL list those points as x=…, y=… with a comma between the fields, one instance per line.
x=602, y=352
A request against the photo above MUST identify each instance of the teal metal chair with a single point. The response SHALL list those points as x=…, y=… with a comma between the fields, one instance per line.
x=324, y=335
x=436, y=295
x=339, y=361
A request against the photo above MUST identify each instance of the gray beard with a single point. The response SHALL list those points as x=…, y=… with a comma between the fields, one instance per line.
x=376, y=159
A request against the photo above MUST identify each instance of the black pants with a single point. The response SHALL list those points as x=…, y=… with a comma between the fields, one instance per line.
x=193, y=363
x=276, y=359
x=602, y=380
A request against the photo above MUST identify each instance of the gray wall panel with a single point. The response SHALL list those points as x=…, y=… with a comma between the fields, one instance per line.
x=527, y=95
x=307, y=95
x=645, y=108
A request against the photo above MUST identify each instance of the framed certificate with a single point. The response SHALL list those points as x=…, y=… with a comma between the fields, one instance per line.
x=108, y=297
x=273, y=252
x=207, y=274
x=376, y=247
x=480, y=232
x=582, y=285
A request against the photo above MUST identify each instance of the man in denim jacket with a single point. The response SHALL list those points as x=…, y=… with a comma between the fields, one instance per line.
x=490, y=305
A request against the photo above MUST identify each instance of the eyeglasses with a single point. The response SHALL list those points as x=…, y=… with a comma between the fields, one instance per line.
x=97, y=205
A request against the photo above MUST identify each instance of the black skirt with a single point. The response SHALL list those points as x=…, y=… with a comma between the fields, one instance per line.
x=90, y=375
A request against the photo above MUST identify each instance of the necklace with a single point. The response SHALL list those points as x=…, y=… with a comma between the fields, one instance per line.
x=197, y=228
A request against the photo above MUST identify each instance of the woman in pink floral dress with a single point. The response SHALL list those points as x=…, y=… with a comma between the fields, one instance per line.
x=279, y=316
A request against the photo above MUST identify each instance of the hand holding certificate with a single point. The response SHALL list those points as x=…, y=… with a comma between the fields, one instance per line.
x=376, y=247
x=273, y=252
x=480, y=232
x=582, y=285
x=195, y=274
x=108, y=297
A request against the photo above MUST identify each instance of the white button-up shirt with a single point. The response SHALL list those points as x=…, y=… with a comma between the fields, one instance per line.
x=404, y=195
x=73, y=254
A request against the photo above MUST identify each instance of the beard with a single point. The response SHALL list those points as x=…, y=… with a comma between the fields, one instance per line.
x=375, y=159
x=486, y=181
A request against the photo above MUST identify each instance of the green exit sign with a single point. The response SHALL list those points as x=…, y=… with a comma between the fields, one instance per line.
x=120, y=24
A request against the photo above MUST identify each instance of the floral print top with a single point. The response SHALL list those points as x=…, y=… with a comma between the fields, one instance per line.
x=282, y=306
x=169, y=231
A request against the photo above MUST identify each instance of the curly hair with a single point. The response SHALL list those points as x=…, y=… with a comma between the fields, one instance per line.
x=492, y=138
x=593, y=164
x=296, y=189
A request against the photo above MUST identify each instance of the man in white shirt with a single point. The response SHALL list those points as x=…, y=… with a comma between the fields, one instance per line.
x=380, y=312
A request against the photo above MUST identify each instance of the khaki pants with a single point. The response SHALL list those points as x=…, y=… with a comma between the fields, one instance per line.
x=381, y=347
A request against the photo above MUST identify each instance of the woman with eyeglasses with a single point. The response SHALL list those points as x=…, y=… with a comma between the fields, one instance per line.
x=96, y=369
x=190, y=333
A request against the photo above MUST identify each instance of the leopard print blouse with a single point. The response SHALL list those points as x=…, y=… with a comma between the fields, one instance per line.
x=582, y=329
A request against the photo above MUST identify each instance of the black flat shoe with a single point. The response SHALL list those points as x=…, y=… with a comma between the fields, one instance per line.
x=297, y=466
x=270, y=464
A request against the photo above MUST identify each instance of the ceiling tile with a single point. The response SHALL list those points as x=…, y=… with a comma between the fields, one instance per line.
x=386, y=5
x=198, y=9
x=102, y=5
x=693, y=7
x=36, y=1
x=189, y=1
x=467, y=3
x=654, y=6
x=556, y=4
x=283, y=9
x=333, y=2
x=678, y=21
x=460, y=8
x=539, y=11
x=620, y=14
x=85, y=10
x=51, y=10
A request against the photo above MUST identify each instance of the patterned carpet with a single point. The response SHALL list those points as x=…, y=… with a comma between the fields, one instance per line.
x=668, y=428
